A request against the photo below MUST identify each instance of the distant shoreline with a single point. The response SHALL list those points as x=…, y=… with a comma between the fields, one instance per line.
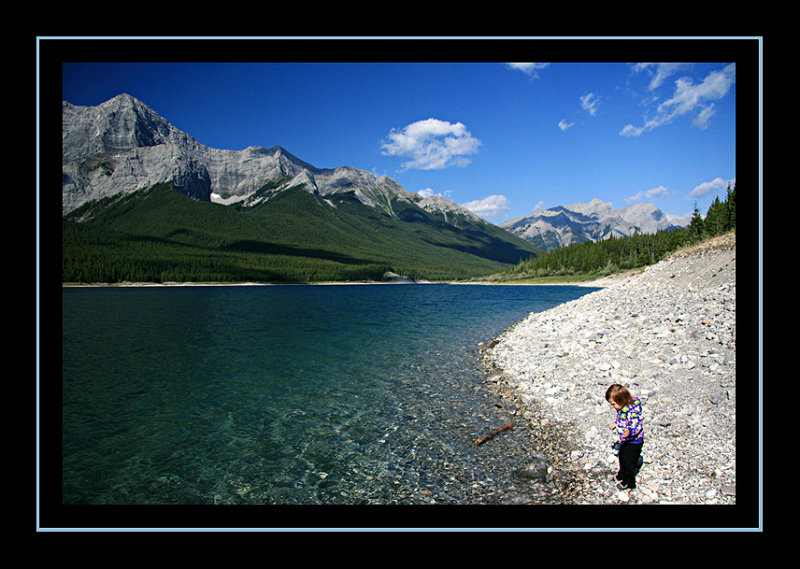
x=602, y=282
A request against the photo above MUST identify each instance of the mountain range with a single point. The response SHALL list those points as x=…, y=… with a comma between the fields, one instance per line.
x=120, y=158
x=276, y=205
x=122, y=145
x=549, y=229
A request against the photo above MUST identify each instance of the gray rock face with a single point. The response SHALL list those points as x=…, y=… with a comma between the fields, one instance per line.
x=122, y=146
x=564, y=225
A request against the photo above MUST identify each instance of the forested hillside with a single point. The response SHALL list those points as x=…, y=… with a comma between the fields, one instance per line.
x=159, y=235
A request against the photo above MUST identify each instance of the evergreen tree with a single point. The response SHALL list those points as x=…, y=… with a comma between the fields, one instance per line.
x=716, y=218
x=696, y=225
x=731, y=201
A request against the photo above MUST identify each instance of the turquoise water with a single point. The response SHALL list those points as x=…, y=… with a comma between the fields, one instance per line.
x=358, y=394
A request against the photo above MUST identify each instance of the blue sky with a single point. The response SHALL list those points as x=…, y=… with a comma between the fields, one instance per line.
x=502, y=139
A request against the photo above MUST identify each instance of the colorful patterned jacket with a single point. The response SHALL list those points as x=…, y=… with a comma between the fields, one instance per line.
x=630, y=417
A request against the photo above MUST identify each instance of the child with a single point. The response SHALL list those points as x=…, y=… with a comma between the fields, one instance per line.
x=630, y=427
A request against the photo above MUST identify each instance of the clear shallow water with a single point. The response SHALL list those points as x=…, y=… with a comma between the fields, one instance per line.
x=359, y=394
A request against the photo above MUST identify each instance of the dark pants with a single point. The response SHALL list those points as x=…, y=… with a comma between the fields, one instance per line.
x=628, y=458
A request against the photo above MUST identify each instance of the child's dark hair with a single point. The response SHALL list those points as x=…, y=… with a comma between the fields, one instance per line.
x=619, y=394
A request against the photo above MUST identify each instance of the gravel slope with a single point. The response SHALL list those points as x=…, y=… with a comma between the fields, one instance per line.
x=669, y=334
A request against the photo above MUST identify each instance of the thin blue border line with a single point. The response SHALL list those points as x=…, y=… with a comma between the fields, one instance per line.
x=759, y=40
x=38, y=316
x=761, y=283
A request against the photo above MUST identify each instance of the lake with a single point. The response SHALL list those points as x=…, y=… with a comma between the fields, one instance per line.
x=294, y=395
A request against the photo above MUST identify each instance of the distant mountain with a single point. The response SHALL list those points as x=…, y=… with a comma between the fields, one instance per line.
x=560, y=226
x=120, y=157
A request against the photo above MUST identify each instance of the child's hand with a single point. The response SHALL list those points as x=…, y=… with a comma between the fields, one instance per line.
x=625, y=433
x=612, y=426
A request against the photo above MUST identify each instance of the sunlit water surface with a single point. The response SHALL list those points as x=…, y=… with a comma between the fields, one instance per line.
x=307, y=394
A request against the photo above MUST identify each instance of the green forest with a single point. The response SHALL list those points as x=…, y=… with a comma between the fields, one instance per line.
x=600, y=258
x=159, y=235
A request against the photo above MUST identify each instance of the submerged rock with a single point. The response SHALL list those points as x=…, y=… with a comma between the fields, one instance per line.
x=536, y=470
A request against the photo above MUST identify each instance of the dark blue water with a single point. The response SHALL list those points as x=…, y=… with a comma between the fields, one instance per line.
x=361, y=394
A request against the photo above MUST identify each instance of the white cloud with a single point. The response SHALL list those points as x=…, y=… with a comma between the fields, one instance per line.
x=428, y=192
x=630, y=130
x=589, y=103
x=488, y=207
x=652, y=194
x=701, y=121
x=431, y=144
x=714, y=186
x=689, y=98
x=530, y=69
x=661, y=73
x=564, y=125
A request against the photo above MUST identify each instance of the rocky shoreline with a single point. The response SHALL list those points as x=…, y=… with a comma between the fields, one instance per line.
x=668, y=333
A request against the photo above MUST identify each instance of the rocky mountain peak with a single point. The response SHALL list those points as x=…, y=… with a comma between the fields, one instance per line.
x=564, y=225
x=595, y=209
x=117, y=126
x=122, y=145
x=438, y=204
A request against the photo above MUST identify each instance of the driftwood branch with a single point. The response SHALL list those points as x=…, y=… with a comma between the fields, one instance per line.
x=495, y=432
